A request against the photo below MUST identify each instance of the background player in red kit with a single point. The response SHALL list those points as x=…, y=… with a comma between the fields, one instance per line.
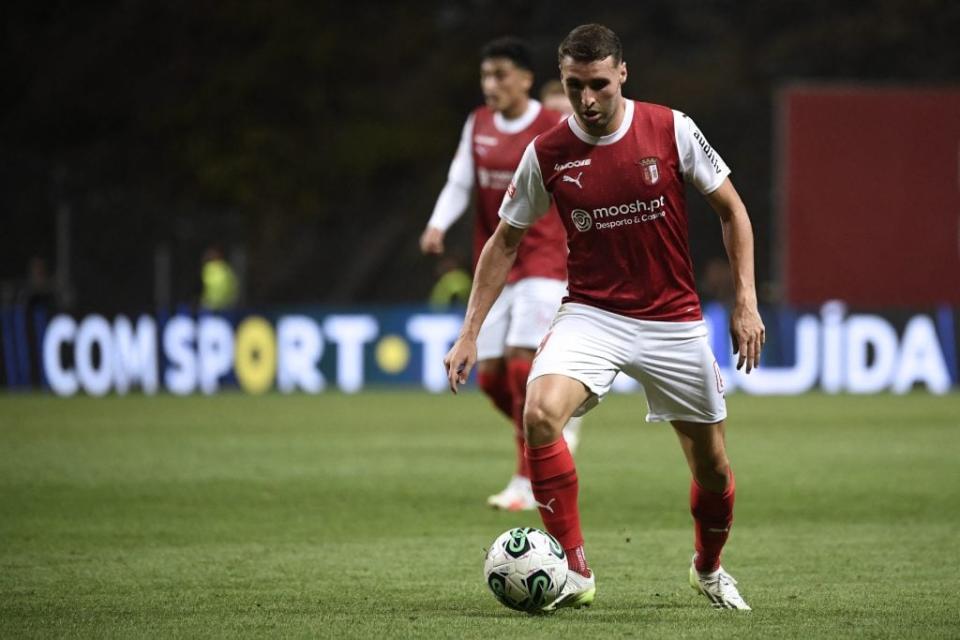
x=616, y=173
x=491, y=145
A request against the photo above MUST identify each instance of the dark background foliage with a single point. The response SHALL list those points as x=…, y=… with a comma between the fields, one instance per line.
x=311, y=138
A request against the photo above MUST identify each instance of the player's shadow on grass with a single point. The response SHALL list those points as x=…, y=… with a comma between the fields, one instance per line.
x=594, y=613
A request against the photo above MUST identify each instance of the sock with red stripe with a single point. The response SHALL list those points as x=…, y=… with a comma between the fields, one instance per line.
x=555, y=486
x=712, y=517
x=518, y=370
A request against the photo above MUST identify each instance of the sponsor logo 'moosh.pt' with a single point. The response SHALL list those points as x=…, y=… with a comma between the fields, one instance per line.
x=645, y=210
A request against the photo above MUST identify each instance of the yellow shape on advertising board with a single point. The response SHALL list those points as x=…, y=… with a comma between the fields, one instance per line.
x=393, y=354
x=256, y=355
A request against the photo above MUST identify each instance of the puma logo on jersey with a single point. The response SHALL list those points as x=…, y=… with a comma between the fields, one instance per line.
x=573, y=164
x=575, y=181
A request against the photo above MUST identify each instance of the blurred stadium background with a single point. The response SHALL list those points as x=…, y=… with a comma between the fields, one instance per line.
x=306, y=144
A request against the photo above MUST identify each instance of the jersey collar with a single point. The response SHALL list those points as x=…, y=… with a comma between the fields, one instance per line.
x=609, y=138
x=517, y=124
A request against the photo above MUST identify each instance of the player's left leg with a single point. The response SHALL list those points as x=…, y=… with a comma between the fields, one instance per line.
x=712, y=491
x=711, y=488
x=683, y=386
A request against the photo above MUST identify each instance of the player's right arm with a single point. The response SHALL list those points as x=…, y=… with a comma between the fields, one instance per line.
x=495, y=261
x=455, y=196
x=525, y=202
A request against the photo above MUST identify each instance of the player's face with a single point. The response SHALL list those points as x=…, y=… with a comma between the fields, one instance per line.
x=505, y=86
x=594, y=90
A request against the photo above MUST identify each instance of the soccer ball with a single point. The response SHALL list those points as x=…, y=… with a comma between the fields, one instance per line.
x=525, y=569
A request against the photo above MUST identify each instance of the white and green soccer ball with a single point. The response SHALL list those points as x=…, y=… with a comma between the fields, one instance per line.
x=525, y=569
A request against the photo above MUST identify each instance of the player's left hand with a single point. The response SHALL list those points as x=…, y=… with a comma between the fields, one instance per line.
x=459, y=361
x=748, y=334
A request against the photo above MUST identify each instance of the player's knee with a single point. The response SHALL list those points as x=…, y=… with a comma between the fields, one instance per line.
x=714, y=475
x=542, y=424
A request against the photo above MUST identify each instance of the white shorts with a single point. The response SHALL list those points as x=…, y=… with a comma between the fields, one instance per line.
x=520, y=316
x=671, y=360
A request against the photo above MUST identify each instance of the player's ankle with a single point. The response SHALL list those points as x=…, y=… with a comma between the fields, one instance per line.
x=706, y=565
x=577, y=561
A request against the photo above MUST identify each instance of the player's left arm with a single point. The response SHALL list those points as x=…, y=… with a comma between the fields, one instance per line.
x=746, y=326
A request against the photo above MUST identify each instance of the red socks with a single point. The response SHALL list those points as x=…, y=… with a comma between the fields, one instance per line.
x=712, y=517
x=576, y=561
x=554, y=479
x=497, y=388
x=508, y=392
x=517, y=372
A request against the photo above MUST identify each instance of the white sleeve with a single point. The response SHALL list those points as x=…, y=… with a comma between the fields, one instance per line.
x=700, y=163
x=455, y=196
x=526, y=199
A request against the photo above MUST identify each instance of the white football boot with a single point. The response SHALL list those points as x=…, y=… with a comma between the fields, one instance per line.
x=518, y=496
x=579, y=591
x=719, y=587
x=571, y=433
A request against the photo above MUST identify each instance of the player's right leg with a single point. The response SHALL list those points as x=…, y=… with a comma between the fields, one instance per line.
x=533, y=307
x=573, y=370
x=551, y=400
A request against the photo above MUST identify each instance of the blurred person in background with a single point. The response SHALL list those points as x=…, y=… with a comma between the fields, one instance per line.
x=39, y=289
x=37, y=299
x=452, y=287
x=491, y=145
x=553, y=97
x=716, y=283
x=219, y=281
x=616, y=173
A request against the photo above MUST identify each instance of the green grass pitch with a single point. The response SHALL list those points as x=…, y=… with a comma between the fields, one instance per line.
x=363, y=516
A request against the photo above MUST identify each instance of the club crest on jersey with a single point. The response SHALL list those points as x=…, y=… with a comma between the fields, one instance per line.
x=649, y=170
x=511, y=190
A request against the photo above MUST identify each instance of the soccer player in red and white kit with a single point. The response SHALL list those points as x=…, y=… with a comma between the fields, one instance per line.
x=616, y=171
x=491, y=145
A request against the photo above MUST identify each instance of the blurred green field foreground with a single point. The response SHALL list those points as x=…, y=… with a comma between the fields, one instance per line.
x=363, y=516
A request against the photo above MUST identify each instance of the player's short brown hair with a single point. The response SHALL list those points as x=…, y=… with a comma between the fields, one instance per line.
x=589, y=43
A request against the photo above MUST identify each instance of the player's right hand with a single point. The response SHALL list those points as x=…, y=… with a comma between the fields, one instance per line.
x=459, y=361
x=431, y=241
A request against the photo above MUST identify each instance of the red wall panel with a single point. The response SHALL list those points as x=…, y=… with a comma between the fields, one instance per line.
x=870, y=188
